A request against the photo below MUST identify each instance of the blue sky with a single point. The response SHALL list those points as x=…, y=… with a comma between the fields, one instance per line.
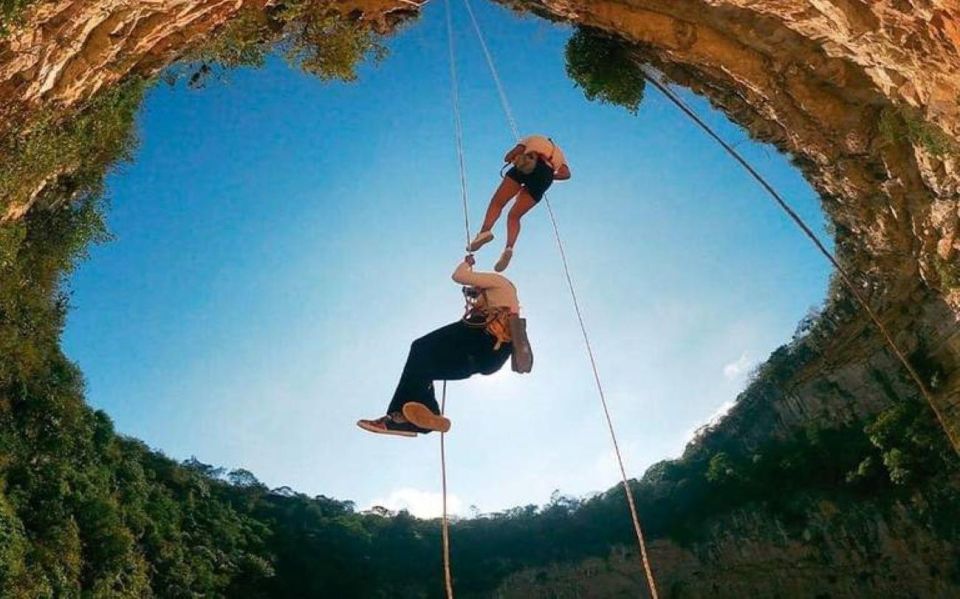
x=280, y=242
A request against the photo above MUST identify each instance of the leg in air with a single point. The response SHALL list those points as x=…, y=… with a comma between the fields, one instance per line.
x=505, y=192
x=524, y=204
x=440, y=355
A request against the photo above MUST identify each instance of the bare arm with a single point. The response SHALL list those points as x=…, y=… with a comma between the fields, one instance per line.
x=464, y=275
x=562, y=174
x=516, y=151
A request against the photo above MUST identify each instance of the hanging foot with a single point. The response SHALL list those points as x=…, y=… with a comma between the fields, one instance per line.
x=386, y=425
x=504, y=260
x=420, y=415
x=482, y=239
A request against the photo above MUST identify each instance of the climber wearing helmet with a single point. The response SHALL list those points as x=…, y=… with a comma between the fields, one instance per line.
x=479, y=343
x=537, y=163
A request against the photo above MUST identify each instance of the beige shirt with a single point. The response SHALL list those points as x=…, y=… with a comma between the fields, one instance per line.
x=550, y=151
x=500, y=291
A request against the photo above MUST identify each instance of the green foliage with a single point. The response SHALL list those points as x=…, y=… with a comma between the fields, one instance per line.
x=949, y=272
x=310, y=34
x=62, y=156
x=603, y=68
x=35, y=254
x=722, y=470
x=327, y=44
x=899, y=125
x=13, y=546
x=241, y=42
x=911, y=443
x=11, y=13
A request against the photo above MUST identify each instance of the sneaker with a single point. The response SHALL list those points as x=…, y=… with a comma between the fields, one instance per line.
x=421, y=416
x=386, y=425
x=482, y=239
x=504, y=260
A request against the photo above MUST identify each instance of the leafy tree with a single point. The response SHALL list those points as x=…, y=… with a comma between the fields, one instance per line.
x=603, y=68
x=327, y=44
x=310, y=34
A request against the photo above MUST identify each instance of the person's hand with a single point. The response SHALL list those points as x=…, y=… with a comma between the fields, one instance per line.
x=470, y=260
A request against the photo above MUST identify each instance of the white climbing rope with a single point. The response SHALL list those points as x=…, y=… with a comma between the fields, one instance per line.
x=512, y=123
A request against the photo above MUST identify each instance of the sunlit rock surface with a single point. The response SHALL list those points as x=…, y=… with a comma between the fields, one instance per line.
x=72, y=48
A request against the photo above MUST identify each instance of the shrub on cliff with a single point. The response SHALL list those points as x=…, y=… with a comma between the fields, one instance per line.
x=898, y=124
x=11, y=12
x=56, y=157
x=309, y=34
x=603, y=68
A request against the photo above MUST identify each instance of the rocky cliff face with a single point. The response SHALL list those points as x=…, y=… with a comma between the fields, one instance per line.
x=841, y=551
x=865, y=94
x=70, y=49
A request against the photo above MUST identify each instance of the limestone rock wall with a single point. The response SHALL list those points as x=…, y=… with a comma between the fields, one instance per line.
x=841, y=551
x=70, y=49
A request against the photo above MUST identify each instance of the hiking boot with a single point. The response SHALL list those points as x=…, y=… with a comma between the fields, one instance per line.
x=504, y=260
x=421, y=416
x=482, y=239
x=386, y=425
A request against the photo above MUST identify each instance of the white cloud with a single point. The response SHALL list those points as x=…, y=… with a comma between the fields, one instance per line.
x=714, y=418
x=422, y=504
x=738, y=368
x=720, y=412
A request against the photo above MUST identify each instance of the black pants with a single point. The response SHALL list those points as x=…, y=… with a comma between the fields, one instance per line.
x=456, y=351
x=536, y=182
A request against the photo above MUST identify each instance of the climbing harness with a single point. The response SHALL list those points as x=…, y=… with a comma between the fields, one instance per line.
x=525, y=162
x=512, y=123
x=503, y=324
x=480, y=315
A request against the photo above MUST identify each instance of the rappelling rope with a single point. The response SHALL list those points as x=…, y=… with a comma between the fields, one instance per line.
x=512, y=123
x=447, y=578
x=457, y=122
x=844, y=276
x=461, y=163
x=504, y=102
